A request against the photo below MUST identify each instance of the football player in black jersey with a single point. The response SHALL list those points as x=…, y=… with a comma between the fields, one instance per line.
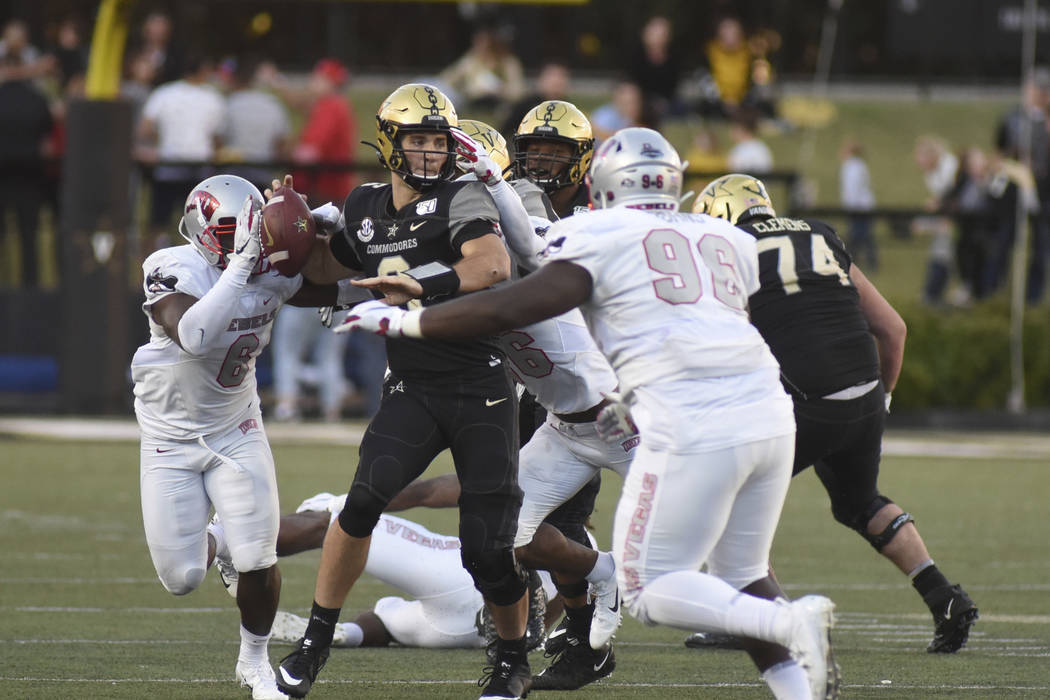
x=553, y=147
x=840, y=346
x=444, y=237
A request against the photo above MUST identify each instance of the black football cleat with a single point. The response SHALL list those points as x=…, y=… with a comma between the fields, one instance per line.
x=298, y=671
x=952, y=619
x=712, y=640
x=508, y=679
x=575, y=665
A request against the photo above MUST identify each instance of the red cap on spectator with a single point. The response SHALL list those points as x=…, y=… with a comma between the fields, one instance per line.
x=331, y=69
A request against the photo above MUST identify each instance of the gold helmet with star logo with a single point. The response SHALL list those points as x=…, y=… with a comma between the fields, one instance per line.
x=554, y=122
x=411, y=108
x=735, y=198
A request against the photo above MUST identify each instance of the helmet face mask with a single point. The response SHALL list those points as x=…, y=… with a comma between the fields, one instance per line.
x=553, y=145
x=209, y=220
x=490, y=139
x=637, y=168
x=735, y=198
x=412, y=109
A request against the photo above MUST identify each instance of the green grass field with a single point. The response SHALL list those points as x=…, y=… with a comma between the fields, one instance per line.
x=84, y=616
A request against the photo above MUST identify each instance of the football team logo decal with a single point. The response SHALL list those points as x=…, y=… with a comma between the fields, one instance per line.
x=367, y=230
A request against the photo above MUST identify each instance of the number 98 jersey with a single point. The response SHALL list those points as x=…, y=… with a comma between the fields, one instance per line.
x=807, y=308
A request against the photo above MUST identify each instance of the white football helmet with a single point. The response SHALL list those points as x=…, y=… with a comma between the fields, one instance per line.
x=638, y=168
x=209, y=219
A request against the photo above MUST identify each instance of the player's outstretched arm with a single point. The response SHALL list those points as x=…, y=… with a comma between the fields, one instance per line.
x=552, y=290
x=885, y=324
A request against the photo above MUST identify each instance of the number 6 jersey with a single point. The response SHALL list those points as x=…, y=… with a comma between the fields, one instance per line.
x=179, y=396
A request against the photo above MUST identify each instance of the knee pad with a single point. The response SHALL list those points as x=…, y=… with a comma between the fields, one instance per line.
x=361, y=511
x=856, y=518
x=496, y=574
x=882, y=539
x=182, y=581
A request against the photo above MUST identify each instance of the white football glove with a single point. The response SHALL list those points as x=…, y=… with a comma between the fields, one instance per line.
x=889, y=400
x=375, y=317
x=328, y=218
x=484, y=168
x=614, y=422
x=247, y=241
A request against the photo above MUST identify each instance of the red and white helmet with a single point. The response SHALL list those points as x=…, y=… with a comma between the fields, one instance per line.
x=636, y=167
x=209, y=219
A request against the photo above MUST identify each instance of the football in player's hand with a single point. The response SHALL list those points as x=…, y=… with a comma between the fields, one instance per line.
x=288, y=231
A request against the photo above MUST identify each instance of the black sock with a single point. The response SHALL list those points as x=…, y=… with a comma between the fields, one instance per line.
x=580, y=619
x=928, y=581
x=321, y=627
x=512, y=647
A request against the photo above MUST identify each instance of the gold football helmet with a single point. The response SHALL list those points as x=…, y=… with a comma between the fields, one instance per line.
x=490, y=139
x=735, y=198
x=554, y=121
x=415, y=107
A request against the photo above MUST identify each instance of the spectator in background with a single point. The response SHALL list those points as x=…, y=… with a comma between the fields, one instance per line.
x=968, y=200
x=749, y=153
x=68, y=53
x=858, y=197
x=257, y=126
x=305, y=352
x=29, y=63
x=1029, y=120
x=328, y=136
x=552, y=83
x=1009, y=181
x=627, y=108
x=139, y=75
x=156, y=44
x=729, y=62
x=181, y=121
x=939, y=167
x=25, y=125
x=656, y=68
x=489, y=76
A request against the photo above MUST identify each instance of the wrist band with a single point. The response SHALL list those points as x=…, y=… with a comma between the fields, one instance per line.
x=436, y=279
x=410, y=324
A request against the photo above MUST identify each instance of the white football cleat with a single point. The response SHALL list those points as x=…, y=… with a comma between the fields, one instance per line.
x=223, y=562
x=261, y=679
x=812, y=618
x=287, y=627
x=608, y=613
x=317, y=503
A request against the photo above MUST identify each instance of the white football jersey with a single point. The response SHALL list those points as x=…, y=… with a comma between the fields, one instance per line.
x=669, y=310
x=559, y=363
x=179, y=396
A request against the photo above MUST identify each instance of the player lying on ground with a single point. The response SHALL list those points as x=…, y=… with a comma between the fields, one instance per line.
x=446, y=612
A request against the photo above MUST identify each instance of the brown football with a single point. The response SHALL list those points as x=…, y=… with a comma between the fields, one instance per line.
x=288, y=231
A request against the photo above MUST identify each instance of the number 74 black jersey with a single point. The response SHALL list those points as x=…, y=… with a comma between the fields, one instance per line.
x=807, y=309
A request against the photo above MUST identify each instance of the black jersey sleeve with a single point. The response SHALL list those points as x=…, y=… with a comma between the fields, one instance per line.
x=342, y=247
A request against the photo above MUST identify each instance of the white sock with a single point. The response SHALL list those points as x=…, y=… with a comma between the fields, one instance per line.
x=604, y=567
x=218, y=533
x=349, y=634
x=787, y=680
x=705, y=603
x=253, y=648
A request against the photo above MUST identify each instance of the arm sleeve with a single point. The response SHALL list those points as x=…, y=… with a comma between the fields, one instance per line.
x=343, y=250
x=524, y=244
x=202, y=326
